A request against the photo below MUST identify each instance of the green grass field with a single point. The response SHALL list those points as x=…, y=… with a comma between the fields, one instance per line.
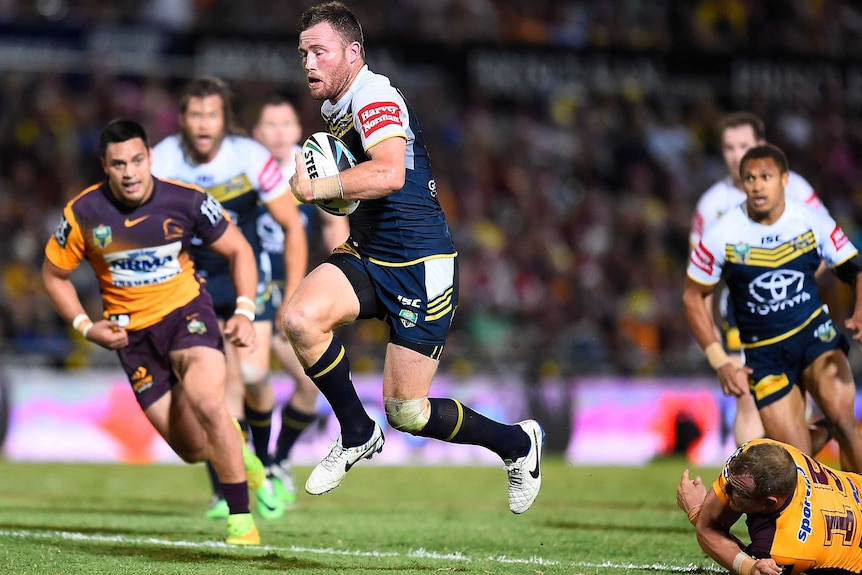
x=124, y=519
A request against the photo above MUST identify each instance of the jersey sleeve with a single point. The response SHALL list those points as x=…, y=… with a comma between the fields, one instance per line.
x=833, y=244
x=211, y=219
x=65, y=247
x=268, y=179
x=707, y=260
x=799, y=189
x=379, y=112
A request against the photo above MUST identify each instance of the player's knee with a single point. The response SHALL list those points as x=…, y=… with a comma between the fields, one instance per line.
x=407, y=415
x=252, y=375
x=296, y=321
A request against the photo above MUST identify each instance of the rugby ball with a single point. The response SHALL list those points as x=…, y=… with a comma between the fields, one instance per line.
x=326, y=155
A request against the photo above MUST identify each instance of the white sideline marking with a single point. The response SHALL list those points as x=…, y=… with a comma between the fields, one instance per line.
x=412, y=554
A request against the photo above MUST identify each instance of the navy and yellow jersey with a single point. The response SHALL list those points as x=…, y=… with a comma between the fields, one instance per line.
x=818, y=528
x=407, y=225
x=140, y=255
x=769, y=270
x=242, y=174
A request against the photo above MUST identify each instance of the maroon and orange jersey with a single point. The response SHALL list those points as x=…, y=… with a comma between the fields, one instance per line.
x=140, y=255
x=818, y=528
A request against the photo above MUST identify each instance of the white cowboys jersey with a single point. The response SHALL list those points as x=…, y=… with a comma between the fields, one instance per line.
x=769, y=270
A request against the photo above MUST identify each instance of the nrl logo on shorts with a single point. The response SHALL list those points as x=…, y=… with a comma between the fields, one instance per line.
x=826, y=332
x=102, y=236
x=196, y=326
x=408, y=318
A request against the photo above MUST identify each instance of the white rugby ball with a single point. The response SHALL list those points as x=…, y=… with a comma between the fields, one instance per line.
x=326, y=155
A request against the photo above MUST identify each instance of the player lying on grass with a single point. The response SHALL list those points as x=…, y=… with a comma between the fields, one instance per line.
x=802, y=516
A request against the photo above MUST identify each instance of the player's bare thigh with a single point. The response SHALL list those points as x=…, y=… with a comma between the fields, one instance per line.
x=407, y=374
x=323, y=301
x=829, y=379
x=784, y=420
x=182, y=415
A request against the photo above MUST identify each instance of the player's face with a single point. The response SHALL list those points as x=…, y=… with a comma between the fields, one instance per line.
x=741, y=504
x=203, y=126
x=278, y=130
x=764, y=186
x=127, y=165
x=734, y=143
x=326, y=61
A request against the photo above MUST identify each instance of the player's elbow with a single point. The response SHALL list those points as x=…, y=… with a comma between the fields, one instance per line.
x=394, y=178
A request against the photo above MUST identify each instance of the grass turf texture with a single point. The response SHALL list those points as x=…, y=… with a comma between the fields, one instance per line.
x=124, y=519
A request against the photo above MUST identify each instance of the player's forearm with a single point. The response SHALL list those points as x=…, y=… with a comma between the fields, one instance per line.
x=699, y=316
x=243, y=271
x=724, y=550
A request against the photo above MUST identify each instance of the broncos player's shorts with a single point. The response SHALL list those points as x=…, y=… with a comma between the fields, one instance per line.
x=417, y=300
x=146, y=360
x=778, y=367
x=220, y=287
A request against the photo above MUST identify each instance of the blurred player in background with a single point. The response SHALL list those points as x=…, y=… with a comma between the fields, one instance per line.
x=738, y=132
x=399, y=265
x=278, y=128
x=240, y=173
x=802, y=516
x=767, y=251
x=136, y=231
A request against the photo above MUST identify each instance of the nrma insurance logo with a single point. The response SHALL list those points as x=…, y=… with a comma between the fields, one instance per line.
x=777, y=290
x=146, y=266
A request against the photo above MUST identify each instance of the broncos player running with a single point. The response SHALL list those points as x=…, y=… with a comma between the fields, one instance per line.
x=240, y=173
x=767, y=250
x=399, y=265
x=136, y=231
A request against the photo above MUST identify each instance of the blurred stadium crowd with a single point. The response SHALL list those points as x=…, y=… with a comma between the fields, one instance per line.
x=570, y=210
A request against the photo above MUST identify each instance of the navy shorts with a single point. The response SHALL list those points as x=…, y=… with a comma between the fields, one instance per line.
x=417, y=301
x=220, y=287
x=778, y=367
x=146, y=360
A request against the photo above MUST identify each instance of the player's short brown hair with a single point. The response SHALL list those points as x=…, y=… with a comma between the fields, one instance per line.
x=737, y=119
x=771, y=467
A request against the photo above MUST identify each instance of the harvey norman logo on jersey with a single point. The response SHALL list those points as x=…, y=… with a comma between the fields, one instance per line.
x=148, y=266
x=777, y=290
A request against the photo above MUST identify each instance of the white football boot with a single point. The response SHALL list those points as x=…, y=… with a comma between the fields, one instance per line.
x=327, y=474
x=525, y=474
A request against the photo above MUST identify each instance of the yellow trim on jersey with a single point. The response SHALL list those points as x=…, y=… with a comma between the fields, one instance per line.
x=233, y=188
x=786, y=334
x=332, y=365
x=339, y=129
x=411, y=262
x=772, y=257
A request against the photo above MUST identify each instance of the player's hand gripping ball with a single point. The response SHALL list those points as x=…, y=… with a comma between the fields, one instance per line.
x=326, y=155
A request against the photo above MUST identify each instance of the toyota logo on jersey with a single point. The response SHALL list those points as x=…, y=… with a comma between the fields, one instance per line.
x=777, y=290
